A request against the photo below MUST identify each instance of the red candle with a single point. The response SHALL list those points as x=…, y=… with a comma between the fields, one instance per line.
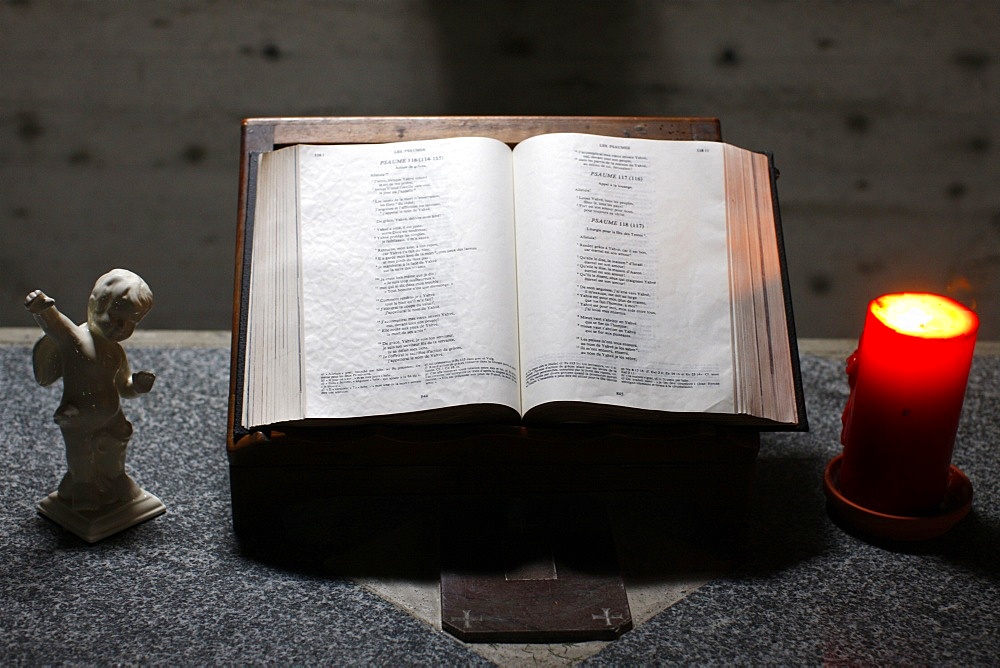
x=908, y=379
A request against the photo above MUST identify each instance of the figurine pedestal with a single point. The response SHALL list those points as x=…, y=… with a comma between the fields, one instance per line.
x=93, y=526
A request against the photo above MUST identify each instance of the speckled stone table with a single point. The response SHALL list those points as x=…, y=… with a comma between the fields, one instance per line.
x=182, y=590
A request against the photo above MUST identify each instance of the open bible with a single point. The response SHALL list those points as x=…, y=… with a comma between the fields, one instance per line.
x=574, y=278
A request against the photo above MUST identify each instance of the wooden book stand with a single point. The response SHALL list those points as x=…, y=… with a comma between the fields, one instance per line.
x=272, y=472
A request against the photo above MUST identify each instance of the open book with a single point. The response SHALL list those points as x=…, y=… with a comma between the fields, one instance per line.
x=574, y=278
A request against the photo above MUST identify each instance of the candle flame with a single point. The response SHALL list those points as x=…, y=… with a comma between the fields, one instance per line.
x=925, y=315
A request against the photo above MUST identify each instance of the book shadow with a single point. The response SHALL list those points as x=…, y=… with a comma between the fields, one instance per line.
x=663, y=548
x=355, y=537
x=787, y=521
x=660, y=540
x=654, y=550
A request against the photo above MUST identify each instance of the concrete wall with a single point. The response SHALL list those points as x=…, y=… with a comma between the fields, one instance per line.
x=119, y=124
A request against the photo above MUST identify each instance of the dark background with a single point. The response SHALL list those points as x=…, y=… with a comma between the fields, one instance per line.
x=119, y=125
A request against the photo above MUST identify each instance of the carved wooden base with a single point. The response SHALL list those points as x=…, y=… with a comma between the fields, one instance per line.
x=93, y=526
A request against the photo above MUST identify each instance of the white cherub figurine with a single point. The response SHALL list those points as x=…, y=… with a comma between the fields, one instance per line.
x=96, y=497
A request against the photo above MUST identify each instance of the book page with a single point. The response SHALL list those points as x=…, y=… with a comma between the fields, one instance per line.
x=765, y=373
x=623, y=273
x=408, y=278
x=272, y=381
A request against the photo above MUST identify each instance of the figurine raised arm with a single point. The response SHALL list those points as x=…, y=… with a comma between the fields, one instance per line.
x=96, y=496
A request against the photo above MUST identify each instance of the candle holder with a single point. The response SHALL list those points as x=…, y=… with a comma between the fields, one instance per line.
x=908, y=377
x=954, y=506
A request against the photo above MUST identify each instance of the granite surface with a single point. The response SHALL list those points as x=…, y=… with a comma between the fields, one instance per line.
x=181, y=589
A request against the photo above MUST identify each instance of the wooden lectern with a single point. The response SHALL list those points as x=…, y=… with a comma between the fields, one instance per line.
x=485, y=466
